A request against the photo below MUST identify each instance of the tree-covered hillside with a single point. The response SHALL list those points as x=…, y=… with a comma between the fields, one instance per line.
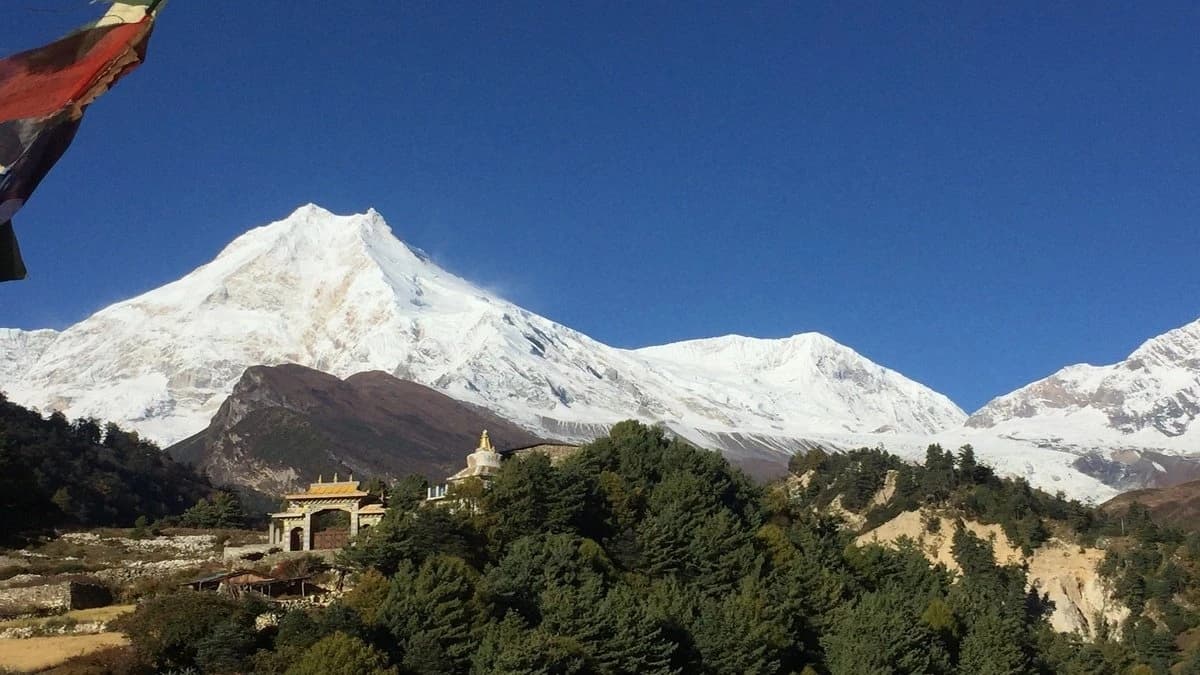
x=640, y=554
x=54, y=473
x=955, y=481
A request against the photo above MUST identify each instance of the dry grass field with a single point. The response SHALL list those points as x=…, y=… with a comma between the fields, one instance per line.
x=34, y=654
x=79, y=616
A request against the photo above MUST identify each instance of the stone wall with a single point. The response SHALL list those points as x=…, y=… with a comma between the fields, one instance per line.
x=58, y=597
x=555, y=451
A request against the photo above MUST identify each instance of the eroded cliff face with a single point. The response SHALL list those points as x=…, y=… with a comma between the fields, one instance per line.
x=1065, y=573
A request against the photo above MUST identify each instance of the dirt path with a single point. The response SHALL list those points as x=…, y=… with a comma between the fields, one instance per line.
x=33, y=654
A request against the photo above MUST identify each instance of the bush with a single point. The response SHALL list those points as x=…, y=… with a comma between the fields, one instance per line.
x=341, y=654
x=166, y=631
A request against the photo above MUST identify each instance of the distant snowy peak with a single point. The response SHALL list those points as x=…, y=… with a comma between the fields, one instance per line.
x=343, y=295
x=1150, y=399
x=825, y=386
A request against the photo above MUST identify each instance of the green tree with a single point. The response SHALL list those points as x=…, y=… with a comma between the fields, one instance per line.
x=878, y=633
x=414, y=537
x=509, y=647
x=521, y=498
x=433, y=616
x=166, y=631
x=341, y=654
x=368, y=596
x=938, y=479
x=62, y=499
x=634, y=640
x=993, y=647
x=222, y=510
x=743, y=632
x=226, y=649
x=408, y=493
x=538, y=562
x=297, y=631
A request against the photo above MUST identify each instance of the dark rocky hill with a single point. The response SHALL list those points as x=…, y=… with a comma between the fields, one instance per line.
x=1176, y=506
x=286, y=425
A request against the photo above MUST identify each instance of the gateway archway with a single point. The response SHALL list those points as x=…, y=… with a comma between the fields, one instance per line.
x=297, y=529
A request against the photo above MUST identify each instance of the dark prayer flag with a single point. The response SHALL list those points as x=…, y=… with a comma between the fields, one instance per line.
x=43, y=93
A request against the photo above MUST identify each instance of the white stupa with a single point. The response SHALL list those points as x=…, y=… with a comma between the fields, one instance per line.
x=483, y=463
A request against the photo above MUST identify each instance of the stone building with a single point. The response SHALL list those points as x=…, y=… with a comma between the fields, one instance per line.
x=293, y=529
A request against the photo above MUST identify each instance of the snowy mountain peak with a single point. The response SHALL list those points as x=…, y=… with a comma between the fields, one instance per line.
x=343, y=295
x=1178, y=347
x=812, y=375
x=311, y=234
x=755, y=353
x=1150, y=399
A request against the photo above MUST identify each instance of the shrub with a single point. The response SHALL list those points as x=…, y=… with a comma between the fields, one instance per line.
x=341, y=654
x=165, y=631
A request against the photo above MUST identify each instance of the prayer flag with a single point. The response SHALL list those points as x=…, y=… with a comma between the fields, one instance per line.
x=43, y=94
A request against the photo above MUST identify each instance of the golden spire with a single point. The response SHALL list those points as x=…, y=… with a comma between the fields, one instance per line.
x=485, y=443
x=335, y=478
x=318, y=478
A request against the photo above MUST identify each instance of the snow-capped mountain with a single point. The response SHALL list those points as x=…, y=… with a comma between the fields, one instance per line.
x=343, y=295
x=1149, y=400
x=809, y=377
x=19, y=349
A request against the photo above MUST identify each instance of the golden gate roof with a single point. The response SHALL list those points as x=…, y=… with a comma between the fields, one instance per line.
x=322, y=490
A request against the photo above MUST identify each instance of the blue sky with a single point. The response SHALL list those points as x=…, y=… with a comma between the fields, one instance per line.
x=973, y=195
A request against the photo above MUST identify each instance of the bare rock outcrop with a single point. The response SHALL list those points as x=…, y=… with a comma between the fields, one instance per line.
x=1065, y=573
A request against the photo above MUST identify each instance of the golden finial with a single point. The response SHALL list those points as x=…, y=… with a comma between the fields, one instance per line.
x=318, y=478
x=485, y=443
x=335, y=478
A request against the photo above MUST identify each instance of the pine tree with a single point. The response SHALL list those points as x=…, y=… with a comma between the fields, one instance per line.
x=433, y=616
x=535, y=563
x=634, y=641
x=574, y=611
x=878, y=633
x=509, y=647
x=719, y=554
x=520, y=498
x=743, y=632
x=226, y=649
x=993, y=647
x=938, y=479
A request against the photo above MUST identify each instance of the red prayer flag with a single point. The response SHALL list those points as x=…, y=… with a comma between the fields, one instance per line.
x=43, y=93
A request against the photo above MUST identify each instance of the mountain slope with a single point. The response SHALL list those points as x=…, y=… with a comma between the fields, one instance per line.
x=19, y=349
x=1177, y=506
x=1149, y=400
x=341, y=294
x=285, y=425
